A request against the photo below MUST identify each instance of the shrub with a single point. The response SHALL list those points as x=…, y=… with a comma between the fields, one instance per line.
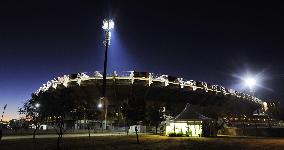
x=188, y=134
x=180, y=134
x=172, y=134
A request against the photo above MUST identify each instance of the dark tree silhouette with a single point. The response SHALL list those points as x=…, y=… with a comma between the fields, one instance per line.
x=32, y=113
x=136, y=110
x=60, y=106
x=154, y=115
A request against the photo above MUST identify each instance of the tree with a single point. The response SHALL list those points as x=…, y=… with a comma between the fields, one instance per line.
x=124, y=111
x=31, y=110
x=59, y=106
x=15, y=125
x=134, y=111
x=154, y=115
x=54, y=106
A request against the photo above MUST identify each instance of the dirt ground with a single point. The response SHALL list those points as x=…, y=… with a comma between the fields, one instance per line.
x=147, y=142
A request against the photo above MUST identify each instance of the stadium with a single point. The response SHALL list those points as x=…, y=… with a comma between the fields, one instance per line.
x=233, y=108
x=148, y=86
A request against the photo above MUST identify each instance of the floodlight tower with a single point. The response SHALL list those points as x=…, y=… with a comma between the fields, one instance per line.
x=108, y=25
x=251, y=82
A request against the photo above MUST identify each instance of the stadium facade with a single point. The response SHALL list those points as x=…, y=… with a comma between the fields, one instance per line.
x=174, y=93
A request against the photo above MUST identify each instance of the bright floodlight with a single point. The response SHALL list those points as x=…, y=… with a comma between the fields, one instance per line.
x=250, y=82
x=100, y=105
x=264, y=104
x=37, y=105
x=108, y=24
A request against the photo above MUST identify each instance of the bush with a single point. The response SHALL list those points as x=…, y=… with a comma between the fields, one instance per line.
x=172, y=134
x=180, y=134
x=188, y=134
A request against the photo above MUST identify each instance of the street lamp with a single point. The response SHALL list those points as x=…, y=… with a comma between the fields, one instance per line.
x=108, y=25
x=100, y=105
x=37, y=105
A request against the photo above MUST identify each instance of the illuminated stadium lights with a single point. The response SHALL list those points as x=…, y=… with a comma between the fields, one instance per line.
x=265, y=107
x=187, y=84
x=250, y=82
x=108, y=24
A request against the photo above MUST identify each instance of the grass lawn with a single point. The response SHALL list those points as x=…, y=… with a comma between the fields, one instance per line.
x=147, y=142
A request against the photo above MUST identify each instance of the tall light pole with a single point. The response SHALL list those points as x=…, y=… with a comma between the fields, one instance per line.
x=1, y=127
x=108, y=25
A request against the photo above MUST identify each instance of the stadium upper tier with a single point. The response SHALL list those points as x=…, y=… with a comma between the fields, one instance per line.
x=149, y=79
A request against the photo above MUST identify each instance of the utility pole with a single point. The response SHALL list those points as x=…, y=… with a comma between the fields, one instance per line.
x=1, y=122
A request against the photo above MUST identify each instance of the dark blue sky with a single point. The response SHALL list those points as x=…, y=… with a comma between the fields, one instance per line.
x=210, y=42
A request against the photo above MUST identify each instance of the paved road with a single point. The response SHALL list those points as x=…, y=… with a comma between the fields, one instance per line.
x=65, y=135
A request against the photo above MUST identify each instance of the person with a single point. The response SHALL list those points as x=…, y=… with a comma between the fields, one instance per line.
x=127, y=129
x=136, y=130
x=88, y=127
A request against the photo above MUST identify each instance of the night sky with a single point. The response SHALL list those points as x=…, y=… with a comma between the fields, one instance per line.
x=206, y=41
